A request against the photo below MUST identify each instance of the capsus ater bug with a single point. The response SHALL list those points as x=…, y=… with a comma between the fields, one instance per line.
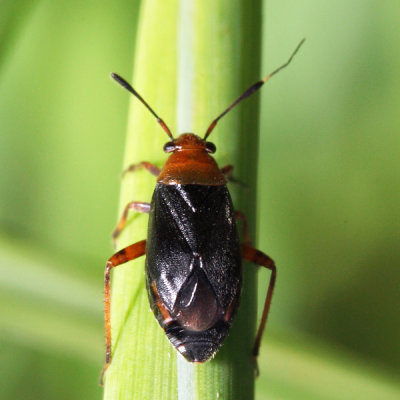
x=193, y=253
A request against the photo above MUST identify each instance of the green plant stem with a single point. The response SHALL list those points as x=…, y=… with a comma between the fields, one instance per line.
x=221, y=44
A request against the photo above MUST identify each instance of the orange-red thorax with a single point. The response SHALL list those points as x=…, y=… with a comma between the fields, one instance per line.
x=191, y=164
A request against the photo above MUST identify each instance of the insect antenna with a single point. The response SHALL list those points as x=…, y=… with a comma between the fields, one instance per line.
x=252, y=89
x=128, y=87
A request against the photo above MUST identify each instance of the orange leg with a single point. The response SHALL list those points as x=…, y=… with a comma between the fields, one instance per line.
x=127, y=254
x=259, y=258
x=246, y=236
x=227, y=170
x=135, y=206
x=144, y=164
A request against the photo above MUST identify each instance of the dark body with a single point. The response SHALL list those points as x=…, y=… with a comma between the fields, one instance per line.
x=193, y=266
x=193, y=254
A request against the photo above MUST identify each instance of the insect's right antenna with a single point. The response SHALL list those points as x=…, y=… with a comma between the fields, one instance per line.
x=251, y=90
x=128, y=87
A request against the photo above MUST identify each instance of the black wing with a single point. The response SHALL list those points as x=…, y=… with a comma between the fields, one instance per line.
x=193, y=239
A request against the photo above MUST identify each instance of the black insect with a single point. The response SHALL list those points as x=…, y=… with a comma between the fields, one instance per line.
x=193, y=253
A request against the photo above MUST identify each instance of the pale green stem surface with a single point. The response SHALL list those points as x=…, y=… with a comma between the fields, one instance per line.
x=221, y=44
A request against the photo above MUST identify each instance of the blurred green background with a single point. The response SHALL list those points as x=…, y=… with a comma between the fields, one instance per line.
x=328, y=194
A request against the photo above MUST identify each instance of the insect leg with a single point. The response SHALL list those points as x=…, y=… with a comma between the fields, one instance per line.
x=246, y=236
x=127, y=254
x=259, y=258
x=135, y=206
x=227, y=171
x=144, y=164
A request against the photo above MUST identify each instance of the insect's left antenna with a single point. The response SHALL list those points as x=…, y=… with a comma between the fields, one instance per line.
x=128, y=87
x=252, y=89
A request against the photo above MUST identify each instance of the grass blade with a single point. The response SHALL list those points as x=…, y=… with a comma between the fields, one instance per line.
x=221, y=43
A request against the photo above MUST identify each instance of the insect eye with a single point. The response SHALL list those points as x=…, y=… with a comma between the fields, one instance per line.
x=169, y=147
x=210, y=147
